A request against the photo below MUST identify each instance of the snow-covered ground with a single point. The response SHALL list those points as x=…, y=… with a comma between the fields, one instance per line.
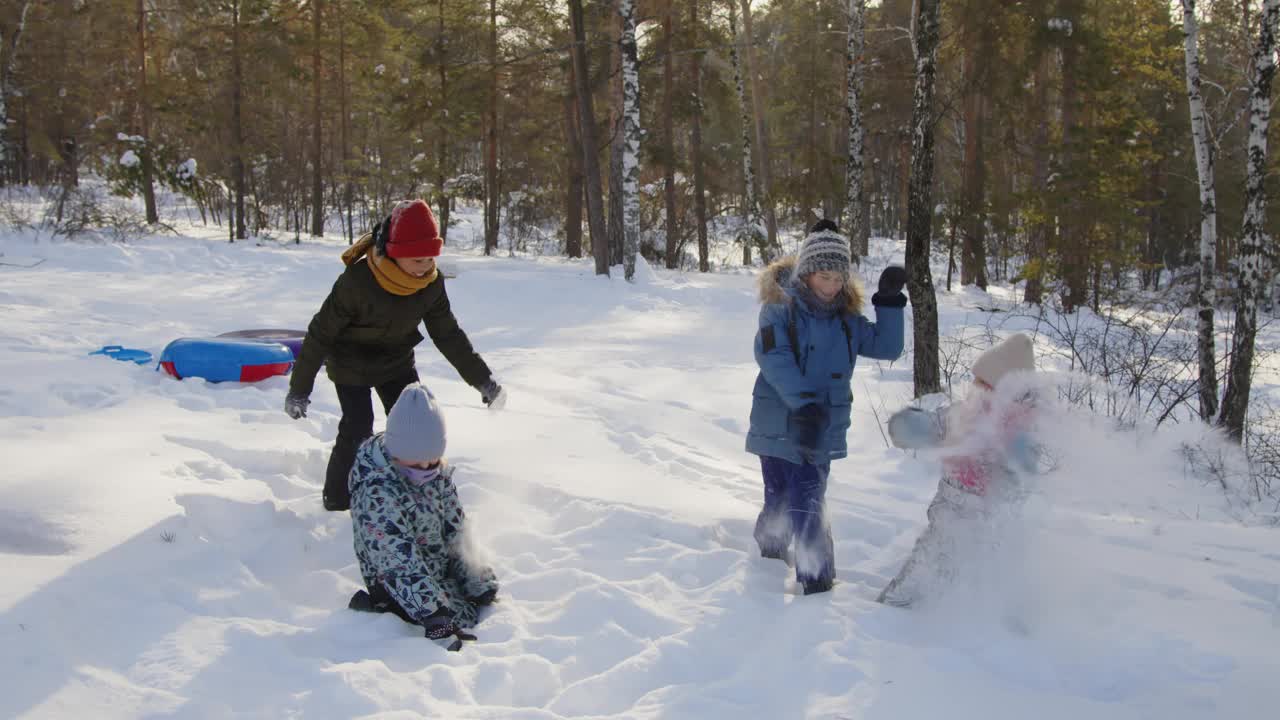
x=165, y=553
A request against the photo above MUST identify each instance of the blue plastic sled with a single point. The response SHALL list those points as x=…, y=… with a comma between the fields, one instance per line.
x=223, y=359
x=291, y=339
x=119, y=352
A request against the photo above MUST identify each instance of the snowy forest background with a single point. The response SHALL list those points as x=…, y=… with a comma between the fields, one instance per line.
x=1104, y=156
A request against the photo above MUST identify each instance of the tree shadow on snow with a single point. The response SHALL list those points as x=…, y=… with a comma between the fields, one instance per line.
x=225, y=608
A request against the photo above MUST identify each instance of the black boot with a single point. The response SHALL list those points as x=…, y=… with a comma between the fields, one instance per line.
x=774, y=553
x=818, y=586
x=362, y=602
x=337, y=496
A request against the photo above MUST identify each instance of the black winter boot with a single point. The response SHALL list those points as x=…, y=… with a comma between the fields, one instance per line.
x=818, y=586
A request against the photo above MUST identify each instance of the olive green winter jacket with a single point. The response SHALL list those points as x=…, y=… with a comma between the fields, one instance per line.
x=365, y=335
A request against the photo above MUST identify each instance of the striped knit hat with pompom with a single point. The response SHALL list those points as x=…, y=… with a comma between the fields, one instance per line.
x=824, y=248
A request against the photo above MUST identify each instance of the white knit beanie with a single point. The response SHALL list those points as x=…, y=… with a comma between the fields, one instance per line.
x=1016, y=353
x=824, y=248
x=415, y=426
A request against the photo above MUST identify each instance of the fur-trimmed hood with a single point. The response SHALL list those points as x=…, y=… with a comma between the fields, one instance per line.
x=775, y=279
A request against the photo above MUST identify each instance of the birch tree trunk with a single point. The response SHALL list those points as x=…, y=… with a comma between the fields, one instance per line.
x=144, y=118
x=587, y=126
x=1206, y=295
x=630, y=139
x=855, y=194
x=762, y=133
x=752, y=231
x=1253, y=261
x=699, y=189
x=924, y=302
x=317, y=162
x=668, y=141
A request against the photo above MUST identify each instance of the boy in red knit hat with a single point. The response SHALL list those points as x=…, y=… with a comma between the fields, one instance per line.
x=367, y=328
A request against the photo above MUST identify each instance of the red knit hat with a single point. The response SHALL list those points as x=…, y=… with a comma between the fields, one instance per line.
x=413, y=231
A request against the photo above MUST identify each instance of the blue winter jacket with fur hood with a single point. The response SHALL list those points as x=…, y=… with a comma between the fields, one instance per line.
x=808, y=357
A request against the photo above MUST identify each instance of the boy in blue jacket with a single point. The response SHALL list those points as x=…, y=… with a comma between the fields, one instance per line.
x=811, y=332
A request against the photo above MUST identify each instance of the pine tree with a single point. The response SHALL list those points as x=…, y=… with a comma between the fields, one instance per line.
x=695, y=130
x=144, y=119
x=317, y=147
x=587, y=126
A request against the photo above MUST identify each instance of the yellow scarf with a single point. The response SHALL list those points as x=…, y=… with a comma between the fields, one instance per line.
x=386, y=271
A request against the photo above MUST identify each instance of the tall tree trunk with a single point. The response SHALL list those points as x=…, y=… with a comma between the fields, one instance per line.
x=8, y=161
x=442, y=126
x=699, y=190
x=1072, y=233
x=630, y=139
x=144, y=118
x=1254, y=263
x=752, y=231
x=237, y=130
x=1206, y=296
x=761, y=130
x=1038, y=240
x=492, y=191
x=924, y=301
x=573, y=196
x=587, y=124
x=951, y=248
x=855, y=202
x=973, y=265
x=617, y=140
x=668, y=140
x=317, y=159
x=342, y=107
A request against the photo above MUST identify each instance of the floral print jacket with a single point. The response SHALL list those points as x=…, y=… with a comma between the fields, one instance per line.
x=412, y=539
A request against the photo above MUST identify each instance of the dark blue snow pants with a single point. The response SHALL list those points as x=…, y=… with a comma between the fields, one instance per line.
x=794, y=508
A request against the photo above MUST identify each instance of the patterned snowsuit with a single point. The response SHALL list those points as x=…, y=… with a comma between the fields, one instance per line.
x=412, y=541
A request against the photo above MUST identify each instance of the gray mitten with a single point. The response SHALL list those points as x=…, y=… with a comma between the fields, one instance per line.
x=296, y=405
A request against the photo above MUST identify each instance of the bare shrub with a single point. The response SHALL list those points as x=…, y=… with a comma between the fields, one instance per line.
x=87, y=213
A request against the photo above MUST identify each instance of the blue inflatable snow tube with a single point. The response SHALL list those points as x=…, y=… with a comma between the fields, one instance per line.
x=291, y=339
x=225, y=359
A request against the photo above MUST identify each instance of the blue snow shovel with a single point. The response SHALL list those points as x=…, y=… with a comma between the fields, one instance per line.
x=119, y=352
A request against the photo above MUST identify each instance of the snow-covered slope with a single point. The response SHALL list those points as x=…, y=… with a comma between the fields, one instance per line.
x=165, y=553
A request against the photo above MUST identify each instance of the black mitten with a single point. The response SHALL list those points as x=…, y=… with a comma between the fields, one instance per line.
x=807, y=425
x=889, y=294
x=439, y=626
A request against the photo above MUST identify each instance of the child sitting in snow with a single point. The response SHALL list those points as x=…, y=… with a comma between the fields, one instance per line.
x=810, y=333
x=987, y=445
x=409, y=528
